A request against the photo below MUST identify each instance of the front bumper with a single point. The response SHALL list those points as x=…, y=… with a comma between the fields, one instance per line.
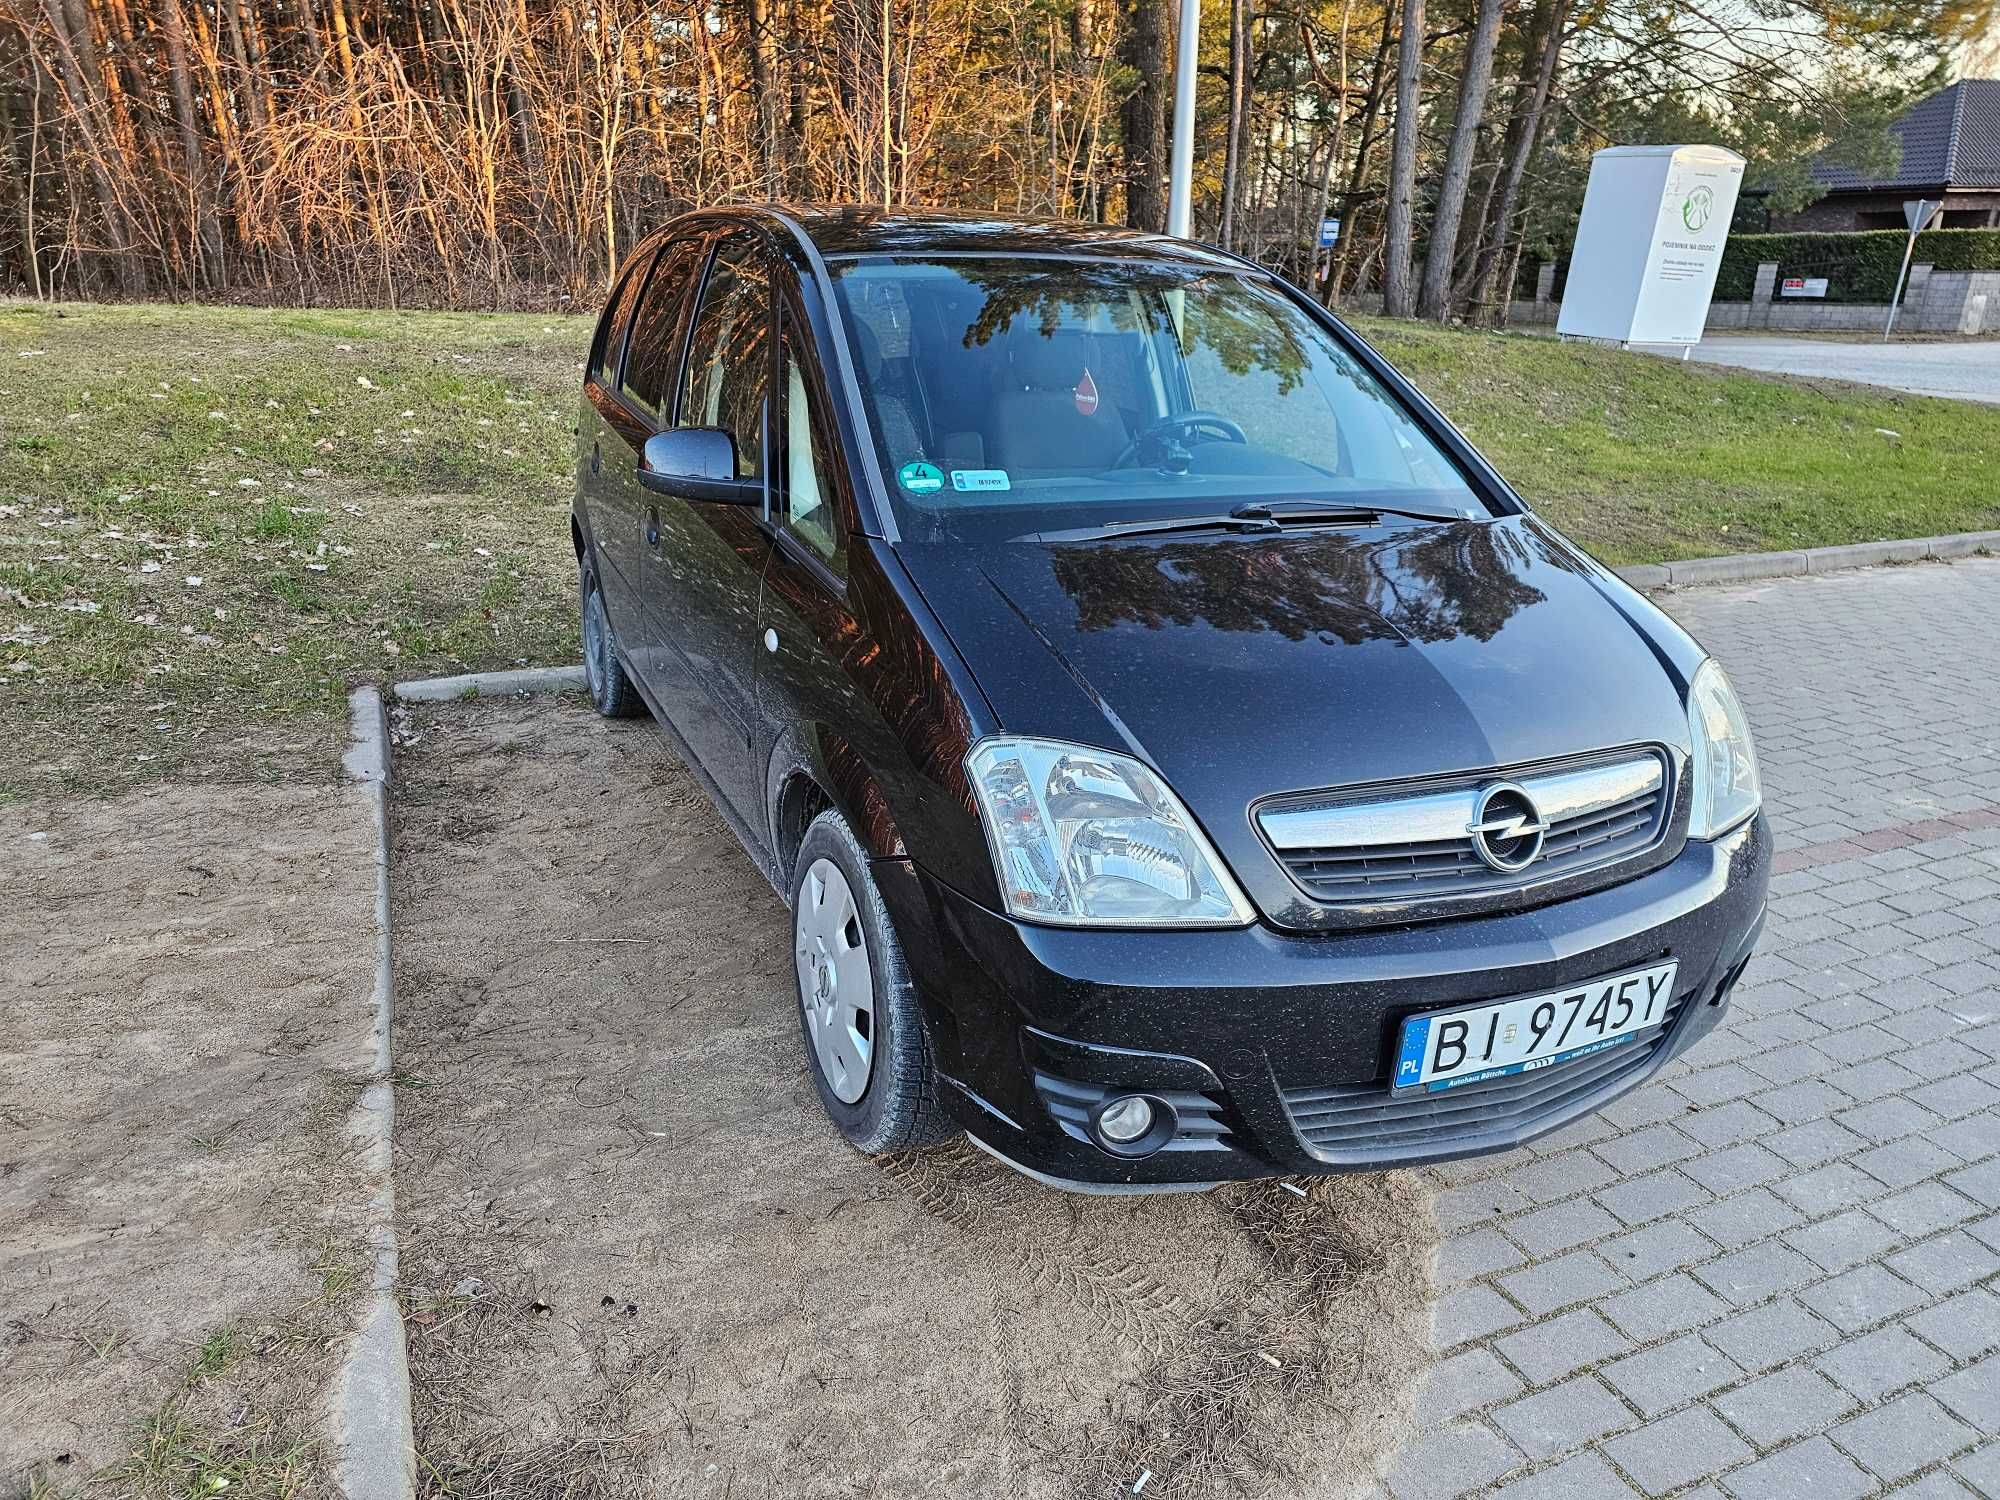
x=1274, y=1048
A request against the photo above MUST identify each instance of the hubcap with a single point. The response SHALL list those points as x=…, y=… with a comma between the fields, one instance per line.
x=596, y=641
x=836, y=987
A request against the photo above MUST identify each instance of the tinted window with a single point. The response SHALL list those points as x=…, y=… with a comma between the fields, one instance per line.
x=617, y=317
x=807, y=460
x=1009, y=397
x=656, y=332
x=729, y=353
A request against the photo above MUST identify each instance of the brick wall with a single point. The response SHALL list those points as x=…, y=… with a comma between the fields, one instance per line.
x=1850, y=211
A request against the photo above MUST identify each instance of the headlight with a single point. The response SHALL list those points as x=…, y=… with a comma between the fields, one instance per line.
x=1725, y=766
x=1084, y=837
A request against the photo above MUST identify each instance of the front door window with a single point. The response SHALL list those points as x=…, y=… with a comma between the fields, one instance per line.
x=728, y=374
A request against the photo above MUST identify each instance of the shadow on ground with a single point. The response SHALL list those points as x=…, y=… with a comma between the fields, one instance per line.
x=638, y=1261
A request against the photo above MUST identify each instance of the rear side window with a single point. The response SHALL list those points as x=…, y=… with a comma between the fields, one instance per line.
x=653, y=363
x=728, y=379
x=617, y=318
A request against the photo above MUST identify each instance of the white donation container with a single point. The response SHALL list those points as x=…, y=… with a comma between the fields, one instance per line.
x=1649, y=243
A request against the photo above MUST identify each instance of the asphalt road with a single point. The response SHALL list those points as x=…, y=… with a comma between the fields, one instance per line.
x=1773, y=1272
x=1967, y=370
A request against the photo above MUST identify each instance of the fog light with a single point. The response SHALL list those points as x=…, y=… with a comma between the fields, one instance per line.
x=1124, y=1121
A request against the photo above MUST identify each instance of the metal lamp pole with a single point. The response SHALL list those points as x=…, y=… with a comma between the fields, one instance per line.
x=1180, y=211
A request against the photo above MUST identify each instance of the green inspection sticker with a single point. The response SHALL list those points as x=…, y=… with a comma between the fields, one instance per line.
x=920, y=478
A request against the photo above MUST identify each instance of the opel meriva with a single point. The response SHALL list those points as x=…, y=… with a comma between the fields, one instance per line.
x=1184, y=757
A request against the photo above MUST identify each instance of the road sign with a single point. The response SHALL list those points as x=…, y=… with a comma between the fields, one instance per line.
x=1329, y=233
x=1917, y=213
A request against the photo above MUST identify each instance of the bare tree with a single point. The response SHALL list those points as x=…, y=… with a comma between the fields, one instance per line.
x=1241, y=21
x=1145, y=115
x=1434, y=299
x=481, y=152
x=1525, y=135
x=1396, y=250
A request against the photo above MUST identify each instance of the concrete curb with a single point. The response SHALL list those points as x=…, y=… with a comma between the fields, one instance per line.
x=492, y=684
x=1752, y=565
x=374, y=1448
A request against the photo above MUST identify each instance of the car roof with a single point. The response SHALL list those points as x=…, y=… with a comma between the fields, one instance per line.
x=848, y=230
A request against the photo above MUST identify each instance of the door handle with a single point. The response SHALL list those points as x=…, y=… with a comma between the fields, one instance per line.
x=652, y=526
x=596, y=458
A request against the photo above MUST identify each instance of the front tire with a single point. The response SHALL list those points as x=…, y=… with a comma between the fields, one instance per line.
x=611, y=691
x=858, y=1012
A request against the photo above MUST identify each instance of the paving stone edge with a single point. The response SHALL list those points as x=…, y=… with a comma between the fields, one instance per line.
x=1745, y=566
x=374, y=1447
x=492, y=684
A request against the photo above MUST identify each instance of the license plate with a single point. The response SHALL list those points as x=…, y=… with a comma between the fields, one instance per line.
x=1449, y=1049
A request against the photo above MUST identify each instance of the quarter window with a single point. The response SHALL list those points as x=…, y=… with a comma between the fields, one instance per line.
x=617, y=318
x=809, y=512
x=651, y=366
x=728, y=378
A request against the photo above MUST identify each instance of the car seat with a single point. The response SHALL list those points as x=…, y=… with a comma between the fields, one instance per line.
x=1048, y=419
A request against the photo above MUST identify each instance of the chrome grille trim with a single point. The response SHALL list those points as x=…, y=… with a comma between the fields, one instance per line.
x=1442, y=816
x=1414, y=843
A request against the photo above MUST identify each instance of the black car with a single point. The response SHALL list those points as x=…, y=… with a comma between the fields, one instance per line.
x=1184, y=757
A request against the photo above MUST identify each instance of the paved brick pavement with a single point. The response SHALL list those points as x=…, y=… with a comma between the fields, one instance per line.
x=1775, y=1270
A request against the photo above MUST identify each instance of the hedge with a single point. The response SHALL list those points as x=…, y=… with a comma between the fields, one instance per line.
x=1859, y=267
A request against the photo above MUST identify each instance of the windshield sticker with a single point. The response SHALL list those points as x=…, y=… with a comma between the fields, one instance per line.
x=1086, y=393
x=920, y=478
x=979, y=479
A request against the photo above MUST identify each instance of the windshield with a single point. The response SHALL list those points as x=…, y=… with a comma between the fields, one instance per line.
x=1022, y=397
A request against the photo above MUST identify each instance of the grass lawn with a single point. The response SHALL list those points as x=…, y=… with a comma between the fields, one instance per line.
x=213, y=521
x=1643, y=459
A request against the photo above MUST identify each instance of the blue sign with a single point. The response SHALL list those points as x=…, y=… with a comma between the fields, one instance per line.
x=1416, y=1040
x=1329, y=233
x=979, y=479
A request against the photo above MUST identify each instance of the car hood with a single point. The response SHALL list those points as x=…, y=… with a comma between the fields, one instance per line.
x=1242, y=666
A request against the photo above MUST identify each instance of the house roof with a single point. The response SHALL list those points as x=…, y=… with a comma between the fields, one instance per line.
x=1950, y=139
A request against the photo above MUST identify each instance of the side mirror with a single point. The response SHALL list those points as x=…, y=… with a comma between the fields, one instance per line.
x=696, y=463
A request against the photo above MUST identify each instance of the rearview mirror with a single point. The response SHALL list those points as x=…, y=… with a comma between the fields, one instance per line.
x=696, y=463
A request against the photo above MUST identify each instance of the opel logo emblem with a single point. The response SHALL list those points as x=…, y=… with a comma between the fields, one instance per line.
x=1507, y=828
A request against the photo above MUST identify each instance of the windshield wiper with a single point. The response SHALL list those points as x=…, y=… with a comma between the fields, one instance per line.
x=1254, y=516
x=1231, y=522
x=1281, y=511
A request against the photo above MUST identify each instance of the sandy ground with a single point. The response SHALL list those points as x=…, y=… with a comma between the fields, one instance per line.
x=639, y=1262
x=184, y=1002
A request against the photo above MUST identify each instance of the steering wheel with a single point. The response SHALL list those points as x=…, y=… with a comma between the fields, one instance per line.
x=1186, y=423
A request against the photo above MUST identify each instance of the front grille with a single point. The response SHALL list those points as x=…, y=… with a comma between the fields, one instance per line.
x=1360, y=1121
x=1415, y=843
